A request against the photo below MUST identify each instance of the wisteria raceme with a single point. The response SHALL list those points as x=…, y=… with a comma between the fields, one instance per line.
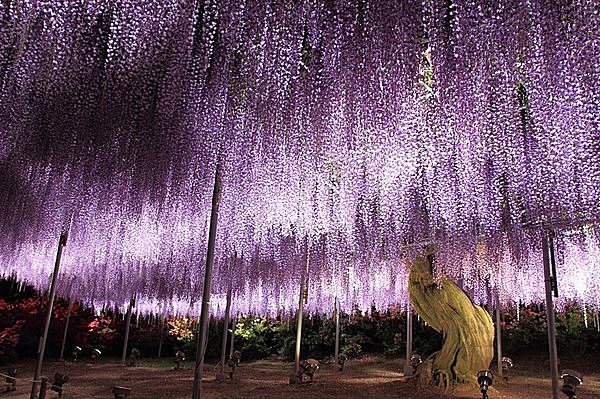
x=347, y=132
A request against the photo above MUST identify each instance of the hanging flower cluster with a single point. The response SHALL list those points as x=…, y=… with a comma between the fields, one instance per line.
x=347, y=131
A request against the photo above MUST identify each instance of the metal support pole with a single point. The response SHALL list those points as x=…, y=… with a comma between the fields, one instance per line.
x=231, y=344
x=127, y=327
x=162, y=337
x=210, y=253
x=160, y=342
x=62, y=241
x=408, y=369
x=43, y=388
x=225, y=328
x=300, y=315
x=64, y=340
x=549, y=280
x=499, y=337
x=303, y=297
x=337, y=330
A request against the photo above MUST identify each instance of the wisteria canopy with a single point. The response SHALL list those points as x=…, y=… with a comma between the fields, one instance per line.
x=347, y=130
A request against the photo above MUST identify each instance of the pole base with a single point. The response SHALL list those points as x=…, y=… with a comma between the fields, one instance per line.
x=408, y=371
x=294, y=379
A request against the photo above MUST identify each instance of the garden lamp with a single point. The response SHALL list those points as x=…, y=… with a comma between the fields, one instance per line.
x=121, y=392
x=134, y=356
x=59, y=381
x=415, y=361
x=571, y=379
x=306, y=368
x=95, y=355
x=309, y=368
x=179, y=358
x=342, y=360
x=484, y=379
x=76, y=352
x=506, y=365
x=11, y=379
x=234, y=361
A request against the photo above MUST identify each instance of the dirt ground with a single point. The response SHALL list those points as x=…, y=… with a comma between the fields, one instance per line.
x=368, y=378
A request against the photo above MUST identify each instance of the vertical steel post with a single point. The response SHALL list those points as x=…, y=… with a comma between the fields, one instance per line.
x=210, y=254
x=232, y=343
x=408, y=369
x=299, y=316
x=127, y=327
x=549, y=282
x=162, y=322
x=62, y=241
x=303, y=297
x=337, y=330
x=225, y=330
x=64, y=340
x=499, y=337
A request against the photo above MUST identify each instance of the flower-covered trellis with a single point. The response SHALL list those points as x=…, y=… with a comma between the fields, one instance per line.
x=356, y=126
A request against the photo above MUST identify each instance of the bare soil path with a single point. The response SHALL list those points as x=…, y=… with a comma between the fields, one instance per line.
x=369, y=378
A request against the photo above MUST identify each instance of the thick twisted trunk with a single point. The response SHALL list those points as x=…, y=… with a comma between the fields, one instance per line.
x=467, y=329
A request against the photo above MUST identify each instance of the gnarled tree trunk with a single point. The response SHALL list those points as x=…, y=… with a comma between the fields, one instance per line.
x=467, y=329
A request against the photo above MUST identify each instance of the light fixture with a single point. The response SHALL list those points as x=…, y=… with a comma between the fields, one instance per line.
x=76, y=352
x=59, y=381
x=306, y=370
x=95, y=355
x=484, y=379
x=507, y=364
x=134, y=356
x=234, y=361
x=179, y=359
x=342, y=360
x=121, y=392
x=571, y=379
x=415, y=361
x=11, y=379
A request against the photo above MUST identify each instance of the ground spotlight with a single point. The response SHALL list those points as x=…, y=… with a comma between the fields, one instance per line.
x=121, y=392
x=571, y=379
x=307, y=369
x=134, y=356
x=415, y=361
x=76, y=352
x=342, y=360
x=59, y=381
x=234, y=361
x=95, y=355
x=179, y=359
x=484, y=379
x=11, y=379
x=506, y=365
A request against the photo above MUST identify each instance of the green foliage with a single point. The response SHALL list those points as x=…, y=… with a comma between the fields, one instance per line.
x=255, y=336
x=21, y=319
x=529, y=332
x=183, y=330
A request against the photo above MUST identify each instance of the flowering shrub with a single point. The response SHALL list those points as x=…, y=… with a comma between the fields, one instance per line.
x=9, y=338
x=183, y=330
x=102, y=333
x=529, y=332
